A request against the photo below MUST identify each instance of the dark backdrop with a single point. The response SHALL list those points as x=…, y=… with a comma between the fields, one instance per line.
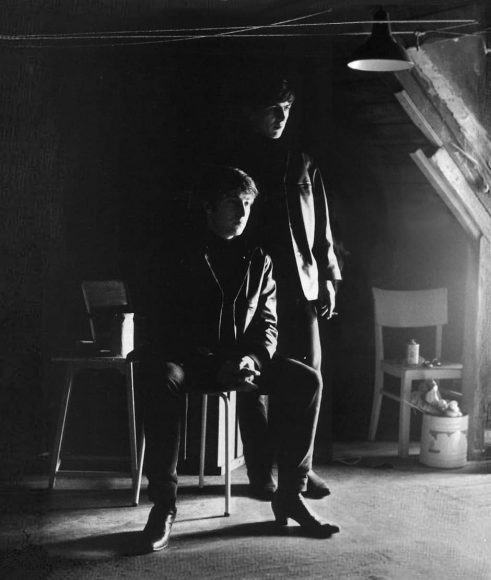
x=100, y=149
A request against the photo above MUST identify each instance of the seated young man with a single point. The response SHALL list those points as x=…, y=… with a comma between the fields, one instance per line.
x=214, y=328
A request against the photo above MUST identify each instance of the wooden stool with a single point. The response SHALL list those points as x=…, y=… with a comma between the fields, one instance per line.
x=73, y=365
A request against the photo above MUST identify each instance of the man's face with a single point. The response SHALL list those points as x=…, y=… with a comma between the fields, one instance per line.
x=229, y=217
x=271, y=121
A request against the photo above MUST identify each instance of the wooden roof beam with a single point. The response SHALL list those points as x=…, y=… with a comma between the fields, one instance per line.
x=445, y=119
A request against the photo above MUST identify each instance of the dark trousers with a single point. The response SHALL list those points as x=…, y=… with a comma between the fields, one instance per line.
x=294, y=388
x=298, y=332
x=298, y=339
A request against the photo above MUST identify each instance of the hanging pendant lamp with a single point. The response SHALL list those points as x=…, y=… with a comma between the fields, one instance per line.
x=381, y=52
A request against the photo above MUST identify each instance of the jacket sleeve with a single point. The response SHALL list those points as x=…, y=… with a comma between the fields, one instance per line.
x=260, y=339
x=323, y=249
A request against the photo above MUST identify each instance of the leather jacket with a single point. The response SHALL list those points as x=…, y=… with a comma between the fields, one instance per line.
x=184, y=313
x=310, y=229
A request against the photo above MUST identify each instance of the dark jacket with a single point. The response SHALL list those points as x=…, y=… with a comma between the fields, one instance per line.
x=309, y=224
x=184, y=308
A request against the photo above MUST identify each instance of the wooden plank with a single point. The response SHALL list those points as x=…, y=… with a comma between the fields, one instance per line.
x=423, y=98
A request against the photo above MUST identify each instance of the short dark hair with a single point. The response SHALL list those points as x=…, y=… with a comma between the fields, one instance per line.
x=220, y=181
x=264, y=90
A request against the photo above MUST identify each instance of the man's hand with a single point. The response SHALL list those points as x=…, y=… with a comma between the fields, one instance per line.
x=327, y=299
x=238, y=375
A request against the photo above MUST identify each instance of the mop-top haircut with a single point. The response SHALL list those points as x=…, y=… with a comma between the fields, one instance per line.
x=217, y=182
x=265, y=90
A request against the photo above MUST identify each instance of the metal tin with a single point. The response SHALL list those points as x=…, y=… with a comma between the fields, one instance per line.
x=122, y=334
x=412, y=352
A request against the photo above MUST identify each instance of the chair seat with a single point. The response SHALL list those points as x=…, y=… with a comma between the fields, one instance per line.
x=447, y=370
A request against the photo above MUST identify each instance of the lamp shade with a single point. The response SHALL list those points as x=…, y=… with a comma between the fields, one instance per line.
x=381, y=52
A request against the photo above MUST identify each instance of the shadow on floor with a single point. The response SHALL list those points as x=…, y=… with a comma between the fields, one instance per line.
x=114, y=545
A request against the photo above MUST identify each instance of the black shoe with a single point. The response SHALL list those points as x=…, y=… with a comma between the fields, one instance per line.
x=316, y=487
x=159, y=525
x=262, y=488
x=292, y=506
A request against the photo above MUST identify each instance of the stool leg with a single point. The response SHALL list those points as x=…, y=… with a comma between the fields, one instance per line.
x=60, y=429
x=376, y=404
x=130, y=396
x=185, y=429
x=225, y=399
x=202, y=452
x=136, y=497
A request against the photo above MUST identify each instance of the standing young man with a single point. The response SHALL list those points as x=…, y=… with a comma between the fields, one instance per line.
x=213, y=327
x=292, y=223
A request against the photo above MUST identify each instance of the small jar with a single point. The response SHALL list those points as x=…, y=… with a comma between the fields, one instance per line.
x=412, y=352
x=122, y=335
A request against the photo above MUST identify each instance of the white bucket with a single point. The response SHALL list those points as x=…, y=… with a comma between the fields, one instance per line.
x=444, y=441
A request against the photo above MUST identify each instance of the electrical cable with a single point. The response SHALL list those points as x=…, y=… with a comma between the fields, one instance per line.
x=161, y=36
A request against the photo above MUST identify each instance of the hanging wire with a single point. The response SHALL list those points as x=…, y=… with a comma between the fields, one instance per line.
x=196, y=37
x=162, y=36
x=227, y=29
x=159, y=40
x=259, y=27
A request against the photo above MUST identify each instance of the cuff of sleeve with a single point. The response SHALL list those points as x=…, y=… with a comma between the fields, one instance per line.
x=257, y=361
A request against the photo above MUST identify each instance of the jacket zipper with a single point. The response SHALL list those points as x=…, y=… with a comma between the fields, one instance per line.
x=223, y=294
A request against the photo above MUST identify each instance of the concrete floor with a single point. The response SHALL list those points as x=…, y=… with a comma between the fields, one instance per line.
x=399, y=520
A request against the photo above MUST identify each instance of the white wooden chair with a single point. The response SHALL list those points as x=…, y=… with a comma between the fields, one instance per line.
x=407, y=309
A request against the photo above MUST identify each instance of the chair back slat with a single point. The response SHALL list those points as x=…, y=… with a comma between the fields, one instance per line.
x=100, y=294
x=379, y=343
x=103, y=300
x=410, y=309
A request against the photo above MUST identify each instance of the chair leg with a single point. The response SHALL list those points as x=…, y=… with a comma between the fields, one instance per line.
x=376, y=405
x=226, y=402
x=130, y=396
x=185, y=428
x=202, y=451
x=141, y=458
x=60, y=429
x=404, y=417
